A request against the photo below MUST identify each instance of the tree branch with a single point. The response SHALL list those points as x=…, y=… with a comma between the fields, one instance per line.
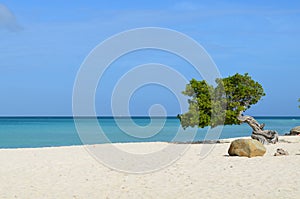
x=258, y=133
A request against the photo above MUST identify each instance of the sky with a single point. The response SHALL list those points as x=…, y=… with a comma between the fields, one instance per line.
x=44, y=43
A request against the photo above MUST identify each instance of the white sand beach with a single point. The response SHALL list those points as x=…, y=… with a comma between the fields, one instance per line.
x=71, y=172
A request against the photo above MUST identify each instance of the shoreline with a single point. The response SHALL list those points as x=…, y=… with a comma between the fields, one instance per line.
x=218, y=141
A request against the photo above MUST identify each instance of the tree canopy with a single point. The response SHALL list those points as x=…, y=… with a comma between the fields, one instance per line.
x=221, y=104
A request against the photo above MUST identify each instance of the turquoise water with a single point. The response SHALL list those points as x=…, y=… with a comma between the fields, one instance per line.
x=28, y=132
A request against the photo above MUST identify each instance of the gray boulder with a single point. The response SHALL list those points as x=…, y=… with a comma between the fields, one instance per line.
x=295, y=131
x=246, y=148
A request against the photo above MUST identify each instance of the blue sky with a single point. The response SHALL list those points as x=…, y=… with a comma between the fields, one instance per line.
x=43, y=43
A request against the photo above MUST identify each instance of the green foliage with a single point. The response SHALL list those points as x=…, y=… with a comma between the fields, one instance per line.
x=299, y=101
x=213, y=106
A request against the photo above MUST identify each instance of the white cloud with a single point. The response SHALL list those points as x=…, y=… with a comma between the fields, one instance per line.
x=8, y=20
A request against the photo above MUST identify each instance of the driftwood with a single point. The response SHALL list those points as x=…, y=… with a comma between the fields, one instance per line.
x=258, y=133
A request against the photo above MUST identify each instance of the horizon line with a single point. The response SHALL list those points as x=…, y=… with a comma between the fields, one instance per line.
x=129, y=116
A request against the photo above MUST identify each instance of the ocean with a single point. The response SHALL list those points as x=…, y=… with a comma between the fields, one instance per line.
x=32, y=132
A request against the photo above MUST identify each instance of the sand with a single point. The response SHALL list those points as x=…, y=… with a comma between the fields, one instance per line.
x=72, y=172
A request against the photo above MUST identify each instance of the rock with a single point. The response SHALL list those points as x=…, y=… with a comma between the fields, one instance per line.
x=281, y=152
x=295, y=131
x=247, y=148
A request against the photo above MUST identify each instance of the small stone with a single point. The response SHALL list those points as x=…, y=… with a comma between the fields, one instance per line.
x=281, y=152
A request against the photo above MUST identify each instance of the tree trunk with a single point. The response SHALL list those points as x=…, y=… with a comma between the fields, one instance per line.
x=258, y=133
